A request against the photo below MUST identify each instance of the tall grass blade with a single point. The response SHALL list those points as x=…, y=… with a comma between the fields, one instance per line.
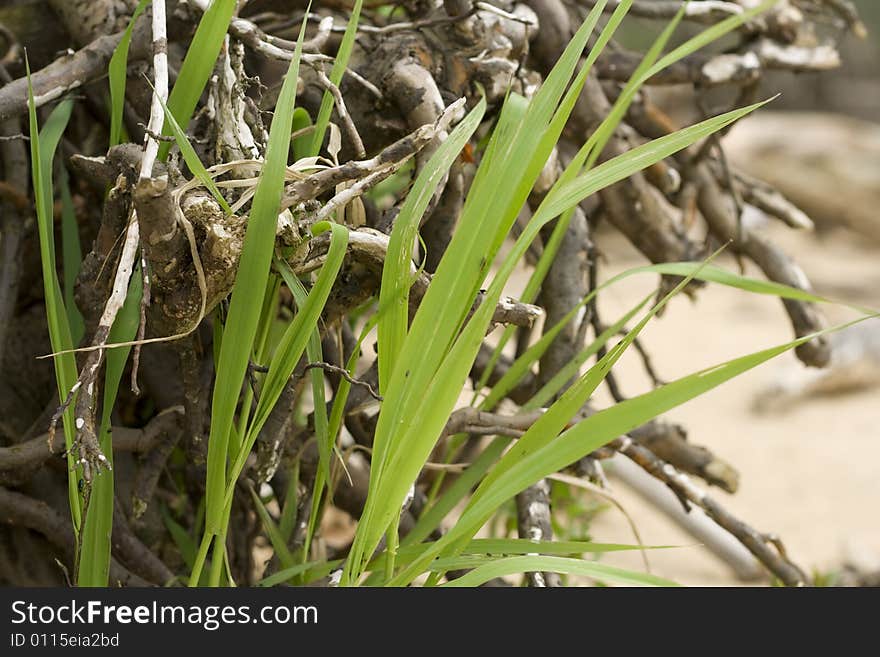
x=191, y=158
x=293, y=343
x=442, y=394
x=541, y=563
x=94, y=556
x=71, y=256
x=117, y=75
x=476, y=553
x=339, y=65
x=287, y=354
x=279, y=545
x=570, y=369
x=244, y=309
x=551, y=423
x=444, y=390
x=595, y=431
x=43, y=145
x=300, y=145
x=397, y=270
x=199, y=64
x=456, y=492
x=513, y=160
x=321, y=422
x=523, y=364
x=588, y=155
x=184, y=543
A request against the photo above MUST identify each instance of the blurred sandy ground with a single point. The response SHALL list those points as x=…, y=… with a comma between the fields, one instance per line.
x=810, y=474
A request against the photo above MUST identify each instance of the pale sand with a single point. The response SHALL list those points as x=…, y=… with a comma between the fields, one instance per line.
x=811, y=474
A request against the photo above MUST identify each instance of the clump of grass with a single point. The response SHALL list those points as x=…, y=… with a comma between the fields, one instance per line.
x=423, y=364
x=426, y=365
x=242, y=323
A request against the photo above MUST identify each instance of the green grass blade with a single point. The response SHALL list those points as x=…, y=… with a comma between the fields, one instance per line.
x=707, y=36
x=432, y=518
x=71, y=256
x=310, y=570
x=523, y=364
x=551, y=423
x=622, y=167
x=625, y=416
x=511, y=546
x=516, y=159
x=515, y=156
x=463, y=485
x=444, y=390
x=268, y=314
x=301, y=144
x=707, y=273
x=321, y=422
x=595, y=431
x=714, y=274
x=570, y=369
x=475, y=553
x=621, y=105
x=339, y=400
x=293, y=344
x=418, y=401
x=512, y=114
x=43, y=145
x=117, y=75
x=487, y=550
x=47, y=144
x=182, y=540
x=339, y=65
x=539, y=563
x=199, y=64
x=275, y=537
x=244, y=308
x=336, y=419
x=396, y=272
x=191, y=158
x=648, y=67
x=94, y=565
x=552, y=108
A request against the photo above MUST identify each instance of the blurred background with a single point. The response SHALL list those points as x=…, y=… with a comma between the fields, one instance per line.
x=852, y=90
x=805, y=443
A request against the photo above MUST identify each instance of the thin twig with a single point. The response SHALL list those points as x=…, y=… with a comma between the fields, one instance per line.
x=774, y=558
x=91, y=456
x=341, y=371
x=342, y=111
